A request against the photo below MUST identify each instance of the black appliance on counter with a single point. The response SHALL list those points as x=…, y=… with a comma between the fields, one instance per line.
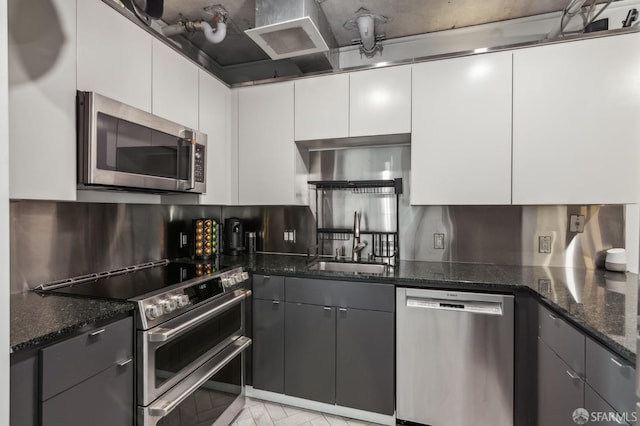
x=190, y=338
x=233, y=236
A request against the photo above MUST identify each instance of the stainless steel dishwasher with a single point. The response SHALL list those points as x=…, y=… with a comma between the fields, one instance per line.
x=454, y=354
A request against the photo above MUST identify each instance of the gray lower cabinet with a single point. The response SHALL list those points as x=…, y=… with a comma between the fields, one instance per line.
x=310, y=348
x=268, y=345
x=365, y=360
x=84, y=380
x=104, y=399
x=560, y=389
x=599, y=408
x=24, y=405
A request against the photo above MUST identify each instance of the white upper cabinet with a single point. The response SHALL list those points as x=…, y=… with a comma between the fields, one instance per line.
x=214, y=110
x=114, y=55
x=461, y=131
x=322, y=107
x=575, y=107
x=380, y=101
x=175, y=86
x=42, y=93
x=268, y=157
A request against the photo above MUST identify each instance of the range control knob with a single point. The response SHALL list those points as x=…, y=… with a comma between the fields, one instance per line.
x=153, y=311
x=168, y=306
x=181, y=300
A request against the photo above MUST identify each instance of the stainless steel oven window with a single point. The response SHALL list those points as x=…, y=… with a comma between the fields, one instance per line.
x=213, y=394
x=164, y=362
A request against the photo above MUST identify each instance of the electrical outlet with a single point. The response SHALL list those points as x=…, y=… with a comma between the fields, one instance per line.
x=544, y=244
x=576, y=223
x=438, y=241
x=290, y=235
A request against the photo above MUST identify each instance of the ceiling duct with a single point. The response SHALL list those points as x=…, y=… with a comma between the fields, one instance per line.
x=294, y=29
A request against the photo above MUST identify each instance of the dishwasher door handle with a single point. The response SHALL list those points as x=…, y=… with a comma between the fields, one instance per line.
x=469, y=306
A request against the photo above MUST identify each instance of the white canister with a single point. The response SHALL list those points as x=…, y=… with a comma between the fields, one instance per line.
x=616, y=260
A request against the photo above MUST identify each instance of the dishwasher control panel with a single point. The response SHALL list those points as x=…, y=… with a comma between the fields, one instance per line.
x=491, y=308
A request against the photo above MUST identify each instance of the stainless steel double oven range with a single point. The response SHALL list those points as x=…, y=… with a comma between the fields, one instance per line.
x=190, y=338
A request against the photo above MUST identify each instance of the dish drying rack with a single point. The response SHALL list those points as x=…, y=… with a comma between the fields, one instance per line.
x=385, y=244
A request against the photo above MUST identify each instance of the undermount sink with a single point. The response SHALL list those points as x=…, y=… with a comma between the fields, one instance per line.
x=357, y=268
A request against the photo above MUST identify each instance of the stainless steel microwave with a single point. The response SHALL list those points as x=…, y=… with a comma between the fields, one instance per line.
x=122, y=147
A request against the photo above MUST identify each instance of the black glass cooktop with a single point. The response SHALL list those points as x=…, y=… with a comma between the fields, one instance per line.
x=137, y=283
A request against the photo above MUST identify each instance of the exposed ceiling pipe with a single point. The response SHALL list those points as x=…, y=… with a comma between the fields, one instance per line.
x=571, y=10
x=213, y=35
x=365, y=21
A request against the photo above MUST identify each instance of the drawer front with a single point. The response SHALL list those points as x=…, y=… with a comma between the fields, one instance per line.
x=562, y=338
x=105, y=399
x=268, y=287
x=343, y=294
x=611, y=377
x=67, y=363
x=560, y=390
x=602, y=412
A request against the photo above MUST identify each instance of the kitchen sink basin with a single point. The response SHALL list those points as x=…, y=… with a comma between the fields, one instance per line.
x=356, y=268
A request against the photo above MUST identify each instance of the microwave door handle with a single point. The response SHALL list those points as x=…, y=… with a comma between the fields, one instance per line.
x=188, y=136
x=192, y=163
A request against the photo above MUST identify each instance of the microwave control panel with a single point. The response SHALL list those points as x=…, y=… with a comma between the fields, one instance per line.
x=199, y=165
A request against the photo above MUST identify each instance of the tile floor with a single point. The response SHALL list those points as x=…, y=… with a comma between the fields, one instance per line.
x=262, y=413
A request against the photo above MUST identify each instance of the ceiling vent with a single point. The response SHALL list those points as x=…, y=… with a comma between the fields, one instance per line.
x=291, y=28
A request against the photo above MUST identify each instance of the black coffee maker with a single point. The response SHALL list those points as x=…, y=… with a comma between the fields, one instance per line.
x=233, y=236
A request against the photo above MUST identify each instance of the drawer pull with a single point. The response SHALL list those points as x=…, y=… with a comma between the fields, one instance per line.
x=342, y=309
x=573, y=375
x=95, y=333
x=553, y=317
x=276, y=302
x=123, y=363
x=327, y=308
x=618, y=363
x=267, y=277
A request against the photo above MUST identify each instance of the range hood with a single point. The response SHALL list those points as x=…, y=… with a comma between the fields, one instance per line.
x=293, y=28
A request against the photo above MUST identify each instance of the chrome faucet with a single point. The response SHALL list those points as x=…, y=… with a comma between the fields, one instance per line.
x=357, y=245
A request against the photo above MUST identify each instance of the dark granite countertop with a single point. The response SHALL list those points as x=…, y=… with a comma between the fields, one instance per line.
x=603, y=304
x=37, y=319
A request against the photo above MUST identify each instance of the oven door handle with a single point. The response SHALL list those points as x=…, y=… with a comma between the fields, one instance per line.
x=162, y=407
x=165, y=334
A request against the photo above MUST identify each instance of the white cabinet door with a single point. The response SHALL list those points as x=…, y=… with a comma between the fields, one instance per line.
x=214, y=111
x=114, y=55
x=175, y=86
x=269, y=159
x=42, y=93
x=574, y=109
x=380, y=101
x=322, y=107
x=461, y=136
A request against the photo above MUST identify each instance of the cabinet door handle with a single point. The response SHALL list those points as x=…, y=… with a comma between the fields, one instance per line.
x=95, y=333
x=327, y=308
x=342, y=309
x=275, y=302
x=267, y=277
x=123, y=363
x=573, y=375
x=553, y=317
x=618, y=363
